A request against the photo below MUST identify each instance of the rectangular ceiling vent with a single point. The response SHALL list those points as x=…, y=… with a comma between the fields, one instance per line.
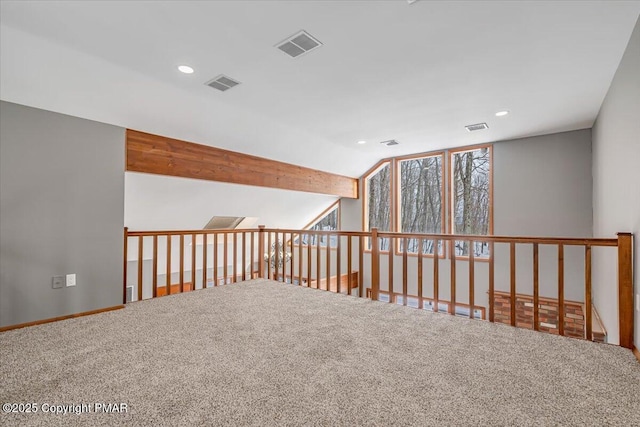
x=222, y=83
x=390, y=142
x=223, y=222
x=299, y=44
x=477, y=126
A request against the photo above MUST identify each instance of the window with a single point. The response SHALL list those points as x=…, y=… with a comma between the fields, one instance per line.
x=329, y=220
x=470, y=190
x=377, y=199
x=407, y=195
x=420, y=204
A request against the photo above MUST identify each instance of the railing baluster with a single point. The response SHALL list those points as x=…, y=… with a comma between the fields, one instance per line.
x=420, y=301
x=140, y=246
x=225, y=258
x=215, y=259
x=193, y=262
x=124, y=267
x=360, y=266
x=181, y=263
x=436, y=274
x=261, y=251
x=349, y=266
x=276, y=259
x=587, y=293
x=404, y=272
x=308, y=258
x=299, y=258
x=390, y=277
x=244, y=256
x=155, y=266
x=291, y=262
x=491, y=283
x=375, y=265
x=168, y=272
x=205, y=244
x=252, y=248
x=328, y=266
x=536, y=288
x=561, y=289
x=512, y=293
x=338, y=266
x=471, y=279
x=269, y=275
x=235, y=258
x=318, y=261
x=452, y=304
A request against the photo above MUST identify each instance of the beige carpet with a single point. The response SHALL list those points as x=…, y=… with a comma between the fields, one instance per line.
x=262, y=353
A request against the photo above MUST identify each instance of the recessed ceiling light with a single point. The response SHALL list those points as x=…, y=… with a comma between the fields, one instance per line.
x=186, y=69
x=502, y=113
x=362, y=142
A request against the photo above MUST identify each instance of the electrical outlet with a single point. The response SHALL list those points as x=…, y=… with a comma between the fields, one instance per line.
x=637, y=302
x=71, y=280
x=57, y=282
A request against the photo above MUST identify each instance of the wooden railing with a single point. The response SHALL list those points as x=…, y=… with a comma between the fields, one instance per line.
x=338, y=258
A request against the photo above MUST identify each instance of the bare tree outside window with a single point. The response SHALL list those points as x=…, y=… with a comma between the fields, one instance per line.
x=470, y=198
x=421, y=200
x=378, y=192
x=328, y=223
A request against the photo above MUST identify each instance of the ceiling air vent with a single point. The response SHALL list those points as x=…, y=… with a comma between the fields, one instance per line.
x=222, y=83
x=477, y=126
x=390, y=142
x=299, y=44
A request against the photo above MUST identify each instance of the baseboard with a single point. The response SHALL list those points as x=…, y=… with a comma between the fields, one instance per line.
x=636, y=352
x=56, y=319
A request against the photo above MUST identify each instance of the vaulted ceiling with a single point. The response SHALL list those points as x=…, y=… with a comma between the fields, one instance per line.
x=417, y=73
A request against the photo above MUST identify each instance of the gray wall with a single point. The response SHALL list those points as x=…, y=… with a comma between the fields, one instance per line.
x=542, y=187
x=61, y=211
x=616, y=178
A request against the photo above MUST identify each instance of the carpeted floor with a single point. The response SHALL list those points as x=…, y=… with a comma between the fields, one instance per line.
x=261, y=353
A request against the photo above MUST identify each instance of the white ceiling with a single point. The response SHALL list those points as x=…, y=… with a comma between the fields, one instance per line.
x=387, y=70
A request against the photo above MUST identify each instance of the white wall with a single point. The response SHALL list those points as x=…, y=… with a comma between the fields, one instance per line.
x=616, y=179
x=156, y=202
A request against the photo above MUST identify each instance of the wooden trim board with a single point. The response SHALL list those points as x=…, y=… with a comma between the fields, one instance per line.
x=636, y=352
x=56, y=319
x=165, y=156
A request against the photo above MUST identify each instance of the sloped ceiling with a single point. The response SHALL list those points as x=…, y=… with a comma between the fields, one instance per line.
x=387, y=70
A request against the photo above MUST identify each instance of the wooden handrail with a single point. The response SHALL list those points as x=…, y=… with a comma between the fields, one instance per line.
x=385, y=234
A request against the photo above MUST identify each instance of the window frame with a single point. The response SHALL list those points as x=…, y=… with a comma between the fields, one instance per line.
x=451, y=201
x=447, y=197
x=365, y=198
x=398, y=199
x=335, y=206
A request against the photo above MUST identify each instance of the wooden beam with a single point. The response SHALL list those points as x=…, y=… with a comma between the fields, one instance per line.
x=165, y=156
